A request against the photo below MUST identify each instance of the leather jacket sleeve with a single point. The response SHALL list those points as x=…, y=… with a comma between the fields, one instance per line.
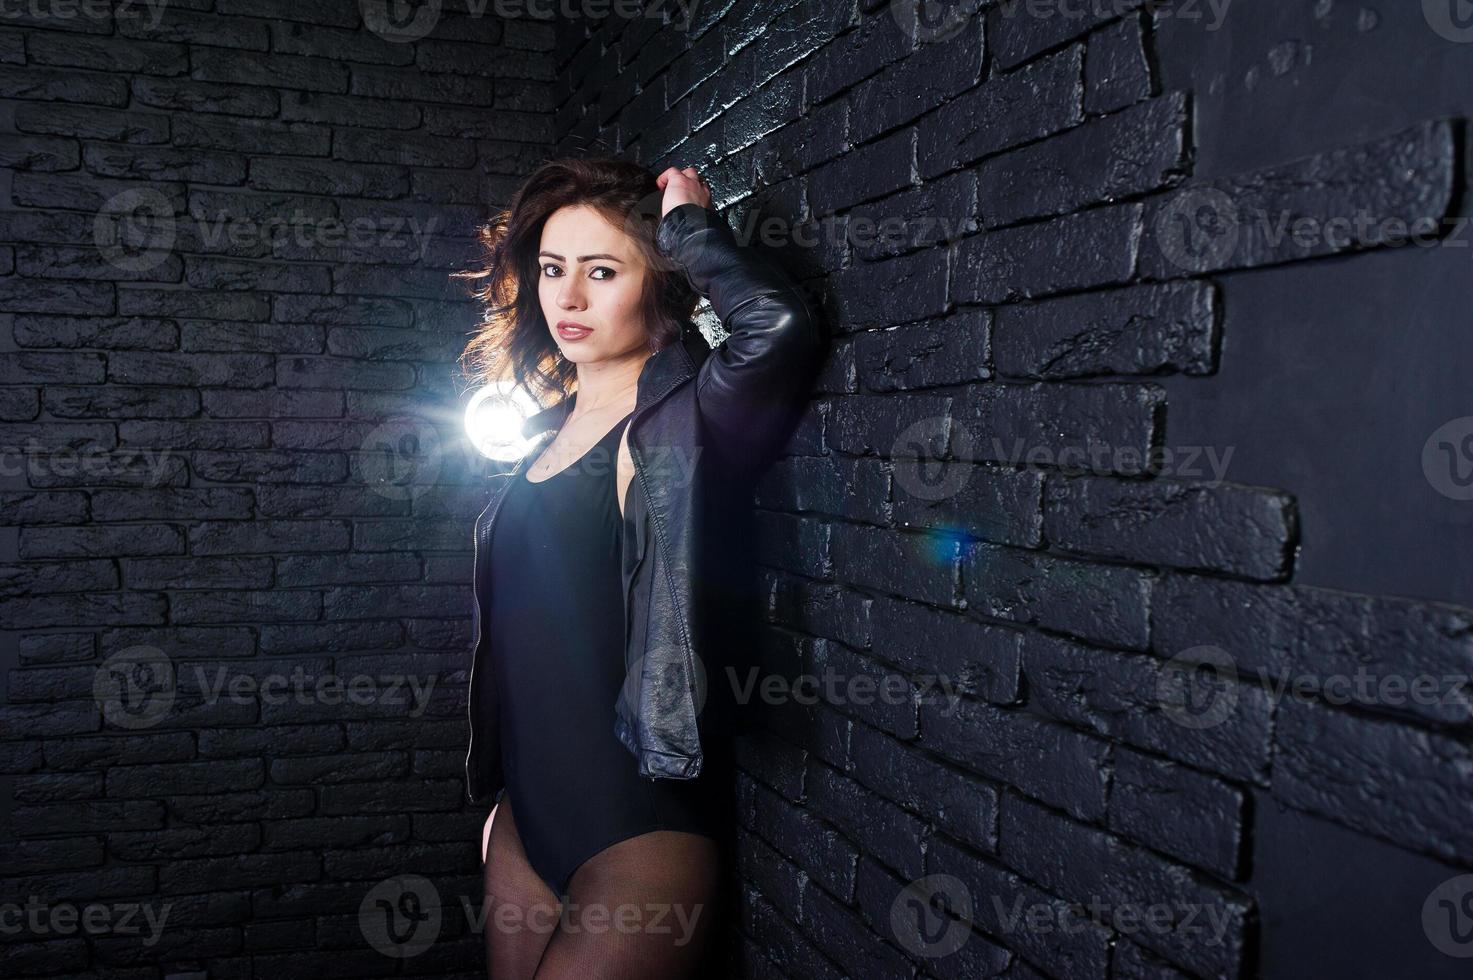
x=755, y=383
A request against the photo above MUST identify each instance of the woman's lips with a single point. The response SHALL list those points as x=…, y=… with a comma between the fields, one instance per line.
x=572, y=333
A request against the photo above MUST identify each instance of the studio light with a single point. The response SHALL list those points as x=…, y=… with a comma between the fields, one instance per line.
x=493, y=421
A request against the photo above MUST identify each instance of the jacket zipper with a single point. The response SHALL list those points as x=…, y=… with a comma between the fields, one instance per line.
x=481, y=528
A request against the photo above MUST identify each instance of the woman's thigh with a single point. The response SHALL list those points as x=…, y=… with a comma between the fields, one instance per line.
x=521, y=911
x=646, y=906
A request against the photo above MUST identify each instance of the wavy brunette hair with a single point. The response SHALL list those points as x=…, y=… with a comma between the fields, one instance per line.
x=513, y=341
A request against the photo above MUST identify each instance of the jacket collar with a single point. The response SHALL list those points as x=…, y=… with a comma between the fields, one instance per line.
x=662, y=372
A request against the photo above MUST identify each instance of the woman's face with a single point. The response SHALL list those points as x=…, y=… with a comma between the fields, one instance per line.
x=591, y=274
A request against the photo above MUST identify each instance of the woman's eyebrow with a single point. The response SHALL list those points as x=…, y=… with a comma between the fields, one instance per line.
x=582, y=258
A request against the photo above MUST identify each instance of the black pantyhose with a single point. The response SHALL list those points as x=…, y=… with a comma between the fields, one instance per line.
x=647, y=906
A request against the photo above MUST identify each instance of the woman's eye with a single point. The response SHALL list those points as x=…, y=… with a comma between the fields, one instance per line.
x=604, y=268
x=550, y=270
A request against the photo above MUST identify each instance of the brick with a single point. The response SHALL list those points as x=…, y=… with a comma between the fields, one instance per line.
x=270, y=466
x=1134, y=699
x=1021, y=29
x=1082, y=251
x=1170, y=808
x=1043, y=927
x=1208, y=924
x=53, y=577
x=974, y=659
x=101, y=541
x=856, y=489
x=1132, y=152
x=1005, y=111
x=1137, y=330
x=1108, y=604
x=45, y=507
x=1048, y=761
x=1371, y=194
x=1117, y=72
x=1378, y=777
x=916, y=565
x=953, y=350
x=113, y=333
x=1243, y=531
x=172, y=504
x=267, y=537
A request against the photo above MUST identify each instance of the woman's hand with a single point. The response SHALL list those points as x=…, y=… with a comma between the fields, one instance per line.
x=682, y=187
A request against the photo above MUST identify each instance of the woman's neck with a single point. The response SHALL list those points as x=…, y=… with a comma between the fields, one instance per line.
x=605, y=386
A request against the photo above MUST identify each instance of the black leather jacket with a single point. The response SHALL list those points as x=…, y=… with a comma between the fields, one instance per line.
x=706, y=424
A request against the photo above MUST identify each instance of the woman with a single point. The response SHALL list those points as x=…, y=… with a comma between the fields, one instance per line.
x=611, y=564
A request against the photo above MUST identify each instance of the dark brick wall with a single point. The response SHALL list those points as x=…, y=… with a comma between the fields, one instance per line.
x=1134, y=281
x=1107, y=268
x=234, y=471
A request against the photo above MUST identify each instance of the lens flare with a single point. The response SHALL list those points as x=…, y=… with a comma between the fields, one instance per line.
x=493, y=421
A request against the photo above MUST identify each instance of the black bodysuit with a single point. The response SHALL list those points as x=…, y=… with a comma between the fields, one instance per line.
x=557, y=624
